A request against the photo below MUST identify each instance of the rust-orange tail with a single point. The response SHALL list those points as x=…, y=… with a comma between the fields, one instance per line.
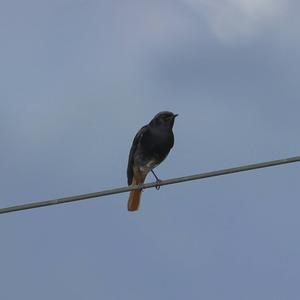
x=134, y=196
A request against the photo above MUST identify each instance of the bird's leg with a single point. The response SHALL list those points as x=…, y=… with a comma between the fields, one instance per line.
x=157, y=180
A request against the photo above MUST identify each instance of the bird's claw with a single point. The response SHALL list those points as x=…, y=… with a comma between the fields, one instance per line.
x=158, y=184
x=157, y=180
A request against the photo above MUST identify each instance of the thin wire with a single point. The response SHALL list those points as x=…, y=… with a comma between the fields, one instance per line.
x=150, y=185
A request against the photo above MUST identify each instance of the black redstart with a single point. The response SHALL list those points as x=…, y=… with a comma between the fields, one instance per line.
x=150, y=147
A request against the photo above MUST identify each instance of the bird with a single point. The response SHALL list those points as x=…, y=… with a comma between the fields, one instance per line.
x=150, y=147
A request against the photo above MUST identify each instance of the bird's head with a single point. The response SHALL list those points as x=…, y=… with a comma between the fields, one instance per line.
x=164, y=119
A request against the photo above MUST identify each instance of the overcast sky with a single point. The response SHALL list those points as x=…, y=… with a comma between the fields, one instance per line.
x=78, y=80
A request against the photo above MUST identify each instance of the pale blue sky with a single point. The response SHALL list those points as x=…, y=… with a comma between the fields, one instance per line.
x=79, y=78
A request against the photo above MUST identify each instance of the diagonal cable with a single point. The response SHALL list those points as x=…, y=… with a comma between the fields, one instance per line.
x=150, y=185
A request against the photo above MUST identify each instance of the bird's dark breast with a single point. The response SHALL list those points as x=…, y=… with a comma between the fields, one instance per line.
x=157, y=146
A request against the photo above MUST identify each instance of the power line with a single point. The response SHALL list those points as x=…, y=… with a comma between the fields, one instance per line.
x=150, y=185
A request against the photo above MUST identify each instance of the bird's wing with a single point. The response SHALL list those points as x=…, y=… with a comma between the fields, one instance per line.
x=134, y=146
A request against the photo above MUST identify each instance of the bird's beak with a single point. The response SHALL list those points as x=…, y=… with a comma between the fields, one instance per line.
x=175, y=115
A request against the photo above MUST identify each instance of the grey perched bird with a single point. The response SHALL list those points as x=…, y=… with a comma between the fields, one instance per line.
x=150, y=147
